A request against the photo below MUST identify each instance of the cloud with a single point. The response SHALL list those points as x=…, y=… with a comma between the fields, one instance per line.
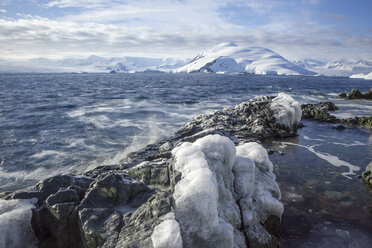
x=5, y=2
x=175, y=28
x=77, y=3
x=3, y=11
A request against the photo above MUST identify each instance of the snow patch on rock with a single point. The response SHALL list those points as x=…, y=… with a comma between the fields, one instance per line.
x=167, y=234
x=287, y=111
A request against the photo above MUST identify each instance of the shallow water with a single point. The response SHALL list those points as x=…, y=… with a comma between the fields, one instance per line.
x=61, y=123
x=326, y=204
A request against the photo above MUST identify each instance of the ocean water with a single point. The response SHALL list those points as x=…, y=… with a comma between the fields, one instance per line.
x=69, y=123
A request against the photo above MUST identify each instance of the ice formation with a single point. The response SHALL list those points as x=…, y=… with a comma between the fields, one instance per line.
x=15, y=224
x=253, y=171
x=219, y=185
x=167, y=233
x=287, y=111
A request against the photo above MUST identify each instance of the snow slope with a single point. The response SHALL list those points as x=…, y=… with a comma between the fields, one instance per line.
x=231, y=58
x=363, y=76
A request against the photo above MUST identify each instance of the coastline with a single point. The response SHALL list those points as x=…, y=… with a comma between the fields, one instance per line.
x=261, y=126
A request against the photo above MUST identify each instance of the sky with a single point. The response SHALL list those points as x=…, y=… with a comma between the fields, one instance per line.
x=318, y=29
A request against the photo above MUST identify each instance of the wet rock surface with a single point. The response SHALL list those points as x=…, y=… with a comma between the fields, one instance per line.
x=320, y=112
x=356, y=94
x=367, y=175
x=120, y=205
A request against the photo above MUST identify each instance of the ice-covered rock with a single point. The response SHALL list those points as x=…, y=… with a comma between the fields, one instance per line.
x=221, y=195
x=167, y=234
x=225, y=194
x=287, y=111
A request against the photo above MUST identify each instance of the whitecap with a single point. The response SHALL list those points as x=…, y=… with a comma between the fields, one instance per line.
x=46, y=153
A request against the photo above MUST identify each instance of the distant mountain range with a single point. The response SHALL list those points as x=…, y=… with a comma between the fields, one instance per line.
x=93, y=64
x=336, y=68
x=224, y=58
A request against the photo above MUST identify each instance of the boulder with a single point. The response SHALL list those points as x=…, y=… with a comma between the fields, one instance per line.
x=355, y=94
x=320, y=112
x=367, y=174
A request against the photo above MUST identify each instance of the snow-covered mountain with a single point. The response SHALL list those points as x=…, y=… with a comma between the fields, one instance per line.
x=336, y=68
x=92, y=64
x=231, y=58
x=361, y=75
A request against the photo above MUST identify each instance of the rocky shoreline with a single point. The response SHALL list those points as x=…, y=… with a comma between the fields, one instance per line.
x=321, y=112
x=356, y=95
x=128, y=205
x=210, y=185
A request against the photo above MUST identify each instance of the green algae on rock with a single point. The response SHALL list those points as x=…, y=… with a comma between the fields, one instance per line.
x=320, y=112
x=367, y=174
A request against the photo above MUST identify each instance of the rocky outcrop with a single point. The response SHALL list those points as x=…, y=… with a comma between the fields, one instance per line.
x=356, y=94
x=367, y=174
x=320, y=112
x=196, y=180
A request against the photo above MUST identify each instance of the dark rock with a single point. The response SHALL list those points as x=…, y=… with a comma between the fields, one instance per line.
x=320, y=112
x=339, y=127
x=151, y=172
x=100, y=227
x=63, y=195
x=139, y=225
x=108, y=191
x=365, y=122
x=342, y=95
x=301, y=125
x=356, y=94
x=368, y=95
x=367, y=174
x=27, y=195
x=52, y=185
x=272, y=225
